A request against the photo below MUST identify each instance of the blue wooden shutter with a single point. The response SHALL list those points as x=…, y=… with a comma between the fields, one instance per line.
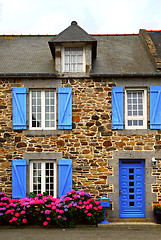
x=19, y=178
x=155, y=107
x=117, y=107
x=19, y=108
x=65, y=176
x=64, y=108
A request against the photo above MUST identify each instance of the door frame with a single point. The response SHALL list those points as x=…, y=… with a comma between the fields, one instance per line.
x=113, y=179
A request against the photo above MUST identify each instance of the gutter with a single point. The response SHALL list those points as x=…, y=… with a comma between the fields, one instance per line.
x=125, y=75
x=27, y=75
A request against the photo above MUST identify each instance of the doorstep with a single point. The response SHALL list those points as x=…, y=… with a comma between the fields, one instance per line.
x=132, y=223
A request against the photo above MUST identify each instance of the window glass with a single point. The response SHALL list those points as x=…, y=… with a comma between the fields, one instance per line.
x=73, y=59
x=43, y=177
x=135, y=109
x=43, y=109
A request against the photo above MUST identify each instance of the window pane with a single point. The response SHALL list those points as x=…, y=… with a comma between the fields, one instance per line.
x=36, y=108
x=129, y=113
x=135, y=122
x=49, y=173
x=37, y=178
x=140, y=122
x=46, y=108
x=129, y=122
x=46, y=123
x=140, y=113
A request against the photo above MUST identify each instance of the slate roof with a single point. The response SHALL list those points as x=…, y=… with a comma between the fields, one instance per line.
x=121, y=54
x=156, y=38
x=115, y=54
x=25, y=54
x=73, y=33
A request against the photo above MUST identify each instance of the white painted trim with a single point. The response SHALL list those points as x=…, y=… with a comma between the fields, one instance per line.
x=144, y=118
x=43, y=183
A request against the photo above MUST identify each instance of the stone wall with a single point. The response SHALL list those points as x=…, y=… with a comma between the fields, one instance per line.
x=91, y=143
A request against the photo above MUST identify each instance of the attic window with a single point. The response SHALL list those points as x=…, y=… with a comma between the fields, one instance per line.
x=73, y=59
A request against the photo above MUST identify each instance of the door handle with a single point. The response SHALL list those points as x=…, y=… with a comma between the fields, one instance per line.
x=119, y=192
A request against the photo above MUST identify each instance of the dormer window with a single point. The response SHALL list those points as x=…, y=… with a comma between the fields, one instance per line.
x=73, y=51
x=73, y=59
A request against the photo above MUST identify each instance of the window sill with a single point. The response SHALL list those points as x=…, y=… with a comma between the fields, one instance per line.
x=42, y=132
x=136, y=131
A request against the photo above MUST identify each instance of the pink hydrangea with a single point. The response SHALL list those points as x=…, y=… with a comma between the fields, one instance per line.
x=99, y=207
x=95, y=208
x=17, y=214
x=89, y=214
x=61, y=211
x=22, y=212
x=45, y=223
x=72, y=191
x=47, y=212
x=24, y=220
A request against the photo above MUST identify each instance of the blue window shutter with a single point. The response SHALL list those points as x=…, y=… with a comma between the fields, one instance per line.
x=65, y=176
x=19, y=108
x=19, y=178
x=64, y=108
x=155, y=107
x=117, y=107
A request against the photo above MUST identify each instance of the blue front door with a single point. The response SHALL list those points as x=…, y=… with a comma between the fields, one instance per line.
x=132, y=188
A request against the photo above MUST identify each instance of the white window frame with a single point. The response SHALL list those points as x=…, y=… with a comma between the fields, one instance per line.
x=43, y=179
x=63, y=58
x=144, y=117
x=42, y=110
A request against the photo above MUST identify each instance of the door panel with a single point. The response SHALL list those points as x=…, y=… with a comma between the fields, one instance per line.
x=132, y=188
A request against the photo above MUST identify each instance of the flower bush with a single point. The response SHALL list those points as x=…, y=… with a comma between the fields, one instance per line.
x=157, y=206
x=76, y=207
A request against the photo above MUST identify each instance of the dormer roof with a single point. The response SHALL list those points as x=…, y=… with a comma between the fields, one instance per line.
x=73, y=34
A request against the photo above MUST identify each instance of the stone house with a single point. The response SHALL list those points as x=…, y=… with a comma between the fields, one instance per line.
x=82, y=111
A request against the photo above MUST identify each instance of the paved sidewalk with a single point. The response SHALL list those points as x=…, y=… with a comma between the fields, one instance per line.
x=111, y=232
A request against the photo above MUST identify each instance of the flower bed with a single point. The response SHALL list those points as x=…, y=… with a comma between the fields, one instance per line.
x=76, y=207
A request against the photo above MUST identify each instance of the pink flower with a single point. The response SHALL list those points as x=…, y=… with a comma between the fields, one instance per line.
x=24, y=220
x=97, y=202
x=95, y=208
x=90, y=205
x=45, y=223
x=22, y=212
x=72, y=191
x=17, y=214
x=47, y=212
x=89, y=214
x=99, y=207
x=14, y=219
x=53, y=208
x=61, y=211
x=49, y=205
x=85, y=211
x=59, y=217
x=48, y=218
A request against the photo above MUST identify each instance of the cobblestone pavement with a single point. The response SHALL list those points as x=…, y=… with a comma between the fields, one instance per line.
x=121, y=232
